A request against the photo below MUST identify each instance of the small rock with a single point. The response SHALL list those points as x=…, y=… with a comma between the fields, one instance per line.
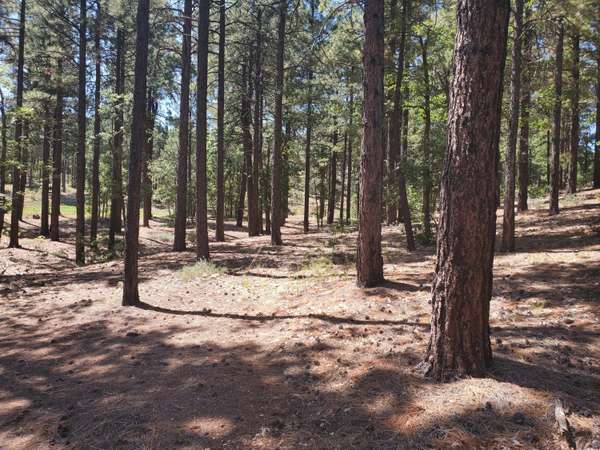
x=519, y=418
x=132, y=334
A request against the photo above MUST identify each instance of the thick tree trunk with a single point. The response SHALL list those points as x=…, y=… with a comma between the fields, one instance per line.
x=184, y=114
x=462, y=286
x=277, y=132
x=220, y=219
x=369, y=261
x=524, y=130
x=574, y=115
x=57, y=149
x=555, y=158
x=201, y=133
x=116, y=201
x=45, y=228
x=97, y=129
x=17, y=195
x=81, y=126
x=131, y=296
x=508, y=221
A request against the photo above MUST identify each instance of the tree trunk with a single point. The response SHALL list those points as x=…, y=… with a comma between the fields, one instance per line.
x=184, y=114
x=350, y=140
x=151, y=110
x=369, y=262
x=116, y=203
x=97, y=129
x=242, y=194
x=57, y=149
x=525, y=106
x=202, y=87
x=426, y=143
x=220, y=219
x=17, y=195
x=343, y=185
x=597, y=146
x=131, y=296
x=575, y=115
x=3, y=150
x=277, y=134
x=508, y=221
x=25, y=163
x=555, y=159
x=332, y=180
x=460, y=333
x=245, y=120
x=81, y=126
x=309, y=110
x=45, y=228
x=257, y=141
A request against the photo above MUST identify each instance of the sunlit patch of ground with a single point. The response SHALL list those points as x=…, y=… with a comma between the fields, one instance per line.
x=277, y=348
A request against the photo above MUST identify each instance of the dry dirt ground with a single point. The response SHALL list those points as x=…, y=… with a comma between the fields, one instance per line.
x=276, y=347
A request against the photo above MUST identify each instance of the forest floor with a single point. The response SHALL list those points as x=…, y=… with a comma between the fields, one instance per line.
x=276, y=348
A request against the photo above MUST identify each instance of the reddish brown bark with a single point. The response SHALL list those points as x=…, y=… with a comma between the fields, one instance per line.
x=460, y=333
x=369, y=261
x=574, y=144
x=556, y=131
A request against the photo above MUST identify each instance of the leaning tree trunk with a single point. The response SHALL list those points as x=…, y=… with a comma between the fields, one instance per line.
x=17, y=196
x=555, y=158
x=277, y=132
x=508, y=221
x=131, y=296
x=524, y=130
x=45, y=228
x=220, y=219
x=81, y=126
x=57, y=150
x=201, y=95
x=369, y=261
x=460, y=333
x=97, y=131
x=184, y=115
x=574, y=144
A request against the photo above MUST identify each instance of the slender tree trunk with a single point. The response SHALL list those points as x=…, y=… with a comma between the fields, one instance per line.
x=202, y=87
x=332, y=180
x=25, y=163
x=242, y=194
x=277, y=134
x=131, y=296
x=369, y=261
x=17, y=195
x=81, y=126
x=220, y=222
x=116, y=204
x=309, y=111
x=575, y=115
x=426, y=143
x=343, y=185
x=184, y=114
x=555, y=159
x=44, y=227
x=462, y=286
x=350, y=141
x=57, y=150
x=245, y=120
x=257, y=141
x=597, y=146
x=3, y=149
x=97, y=129
x=151, y=108
x=524, y=130
x=508, y=222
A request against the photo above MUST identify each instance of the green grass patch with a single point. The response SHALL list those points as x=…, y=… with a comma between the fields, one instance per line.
x=200, y=269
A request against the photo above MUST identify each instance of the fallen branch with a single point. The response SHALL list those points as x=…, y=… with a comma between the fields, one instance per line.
x=563, y=424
